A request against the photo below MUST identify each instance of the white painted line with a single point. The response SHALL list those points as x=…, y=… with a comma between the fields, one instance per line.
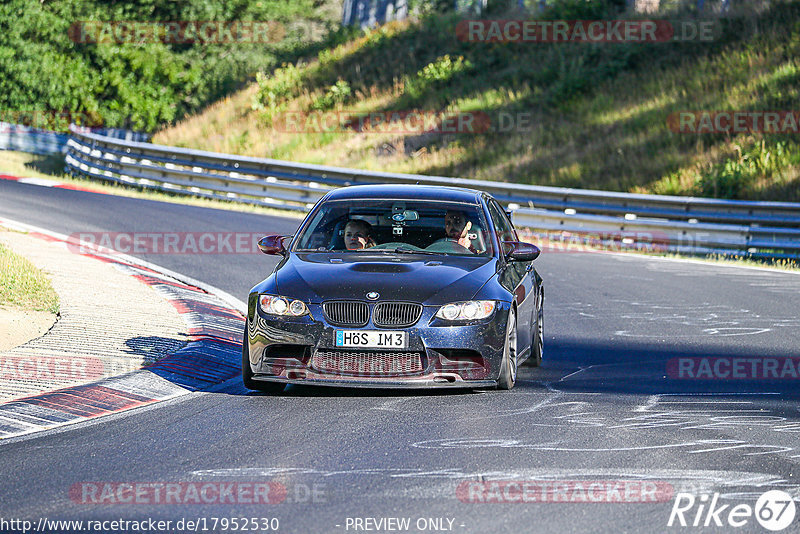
x=44, y=182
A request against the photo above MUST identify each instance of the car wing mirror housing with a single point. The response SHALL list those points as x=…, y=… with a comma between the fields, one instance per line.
x=522, y=251
x=272, y=244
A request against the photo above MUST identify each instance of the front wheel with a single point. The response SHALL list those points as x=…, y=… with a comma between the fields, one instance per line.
x=247, y=373
x=508, y=367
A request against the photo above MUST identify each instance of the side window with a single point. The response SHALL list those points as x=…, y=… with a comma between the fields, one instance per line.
x=501, y=223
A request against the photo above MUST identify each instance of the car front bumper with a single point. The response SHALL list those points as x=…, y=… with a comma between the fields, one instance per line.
x=288, y=350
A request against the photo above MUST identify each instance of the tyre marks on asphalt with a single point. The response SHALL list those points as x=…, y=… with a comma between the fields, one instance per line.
x=442, y=482
x=704, y=319
x=694, y=424
x=701, y=320
x=683, y=447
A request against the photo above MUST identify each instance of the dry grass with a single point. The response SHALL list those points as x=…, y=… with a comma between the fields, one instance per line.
x=613, y=135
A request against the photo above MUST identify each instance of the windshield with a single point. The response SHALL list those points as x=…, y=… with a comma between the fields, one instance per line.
x=397, y=226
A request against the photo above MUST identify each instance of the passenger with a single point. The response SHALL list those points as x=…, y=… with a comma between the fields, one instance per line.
x=456, y=228
x=358, y=235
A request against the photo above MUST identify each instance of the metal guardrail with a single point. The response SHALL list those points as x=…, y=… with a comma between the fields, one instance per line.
x=683, y=224
x=31, y=140
x=45, y=142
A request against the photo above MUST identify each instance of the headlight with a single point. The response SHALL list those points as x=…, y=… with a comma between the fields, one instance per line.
x=276, y=305
x=466, y=311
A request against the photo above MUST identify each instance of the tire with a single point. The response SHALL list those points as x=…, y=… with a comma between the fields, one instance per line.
x=537, y=350
x=508, y=367
x=247, y=373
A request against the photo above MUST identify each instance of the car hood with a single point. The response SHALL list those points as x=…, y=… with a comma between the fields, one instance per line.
x=317, y=277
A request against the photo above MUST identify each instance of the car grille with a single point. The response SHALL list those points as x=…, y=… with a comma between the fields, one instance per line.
x=396, y=314
x=346, y=312
x=365, y=363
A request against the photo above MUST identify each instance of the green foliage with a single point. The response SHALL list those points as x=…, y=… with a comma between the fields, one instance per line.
x=436, y=74
x=130, y=84
x=274, y=91
x=442, y=70
x=735, y=177
x=336, y=94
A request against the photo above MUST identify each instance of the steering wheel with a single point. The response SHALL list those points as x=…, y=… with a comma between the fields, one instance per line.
x=446, y=244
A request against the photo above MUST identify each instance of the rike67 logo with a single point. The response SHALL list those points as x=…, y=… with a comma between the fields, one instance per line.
x=774, y=510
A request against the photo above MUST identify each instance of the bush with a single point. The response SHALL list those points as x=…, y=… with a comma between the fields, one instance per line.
x=275, y=90
x=735, y=177
x=336, y=94
x=434, y=74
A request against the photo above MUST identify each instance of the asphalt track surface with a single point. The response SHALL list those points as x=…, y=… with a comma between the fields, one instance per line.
x=603, y=407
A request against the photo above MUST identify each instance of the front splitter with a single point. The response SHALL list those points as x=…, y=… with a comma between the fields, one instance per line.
x=380, y=383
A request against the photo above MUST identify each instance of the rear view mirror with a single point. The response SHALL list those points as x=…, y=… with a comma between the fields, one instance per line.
x=405, y=215
x=522, y=251
x=272, y=244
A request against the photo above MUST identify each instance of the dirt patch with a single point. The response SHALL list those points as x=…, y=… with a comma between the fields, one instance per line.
x=17, y=327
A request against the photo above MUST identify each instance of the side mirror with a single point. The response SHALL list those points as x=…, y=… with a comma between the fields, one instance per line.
x=272, y=244
x=522, y=251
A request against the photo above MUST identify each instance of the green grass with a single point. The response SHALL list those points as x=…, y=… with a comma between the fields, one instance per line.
x=24, y=286
x=600, y=112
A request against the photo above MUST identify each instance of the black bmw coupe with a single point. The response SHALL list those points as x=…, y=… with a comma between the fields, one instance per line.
x=396, y=286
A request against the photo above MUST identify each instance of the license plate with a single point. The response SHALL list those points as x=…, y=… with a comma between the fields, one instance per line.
x=372, y=339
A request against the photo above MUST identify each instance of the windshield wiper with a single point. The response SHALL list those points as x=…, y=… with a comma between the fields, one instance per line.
x=406, y=250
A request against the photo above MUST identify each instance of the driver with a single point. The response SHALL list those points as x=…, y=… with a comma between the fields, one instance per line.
x=456, y=227
x=357, y=235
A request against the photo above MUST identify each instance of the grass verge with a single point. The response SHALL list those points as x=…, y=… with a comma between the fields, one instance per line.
x=24, y=286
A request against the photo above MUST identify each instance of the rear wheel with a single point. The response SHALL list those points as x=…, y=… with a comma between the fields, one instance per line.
x=508, y=367
x=247, y=373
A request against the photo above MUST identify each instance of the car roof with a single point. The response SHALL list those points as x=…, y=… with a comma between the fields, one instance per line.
x=406, y=191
